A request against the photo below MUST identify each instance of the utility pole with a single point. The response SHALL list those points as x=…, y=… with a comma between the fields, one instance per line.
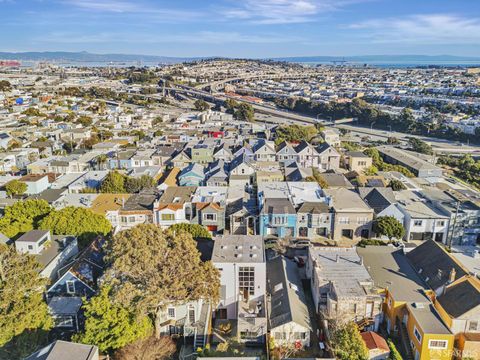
x=454, y=225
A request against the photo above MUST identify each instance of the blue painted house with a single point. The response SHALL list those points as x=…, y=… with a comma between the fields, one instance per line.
x=121, y=160
x=80, y=277
x=192, y=175
x=278, y=218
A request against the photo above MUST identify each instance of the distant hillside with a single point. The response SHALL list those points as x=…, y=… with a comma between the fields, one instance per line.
x=87, y=57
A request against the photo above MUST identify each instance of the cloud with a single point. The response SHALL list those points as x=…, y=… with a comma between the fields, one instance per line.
x=421, y=29
x=202, y=37
x=284, y=11
x=104, y=5
x=146, y=10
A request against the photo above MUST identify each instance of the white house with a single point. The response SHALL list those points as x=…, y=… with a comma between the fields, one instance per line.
x=289, y=320
x=241, y=262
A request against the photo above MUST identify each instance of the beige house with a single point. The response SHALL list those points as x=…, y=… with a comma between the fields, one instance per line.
x=357, y=161
x=352, y=217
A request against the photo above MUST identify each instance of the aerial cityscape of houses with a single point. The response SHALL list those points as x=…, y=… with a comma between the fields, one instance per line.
x=339, y=234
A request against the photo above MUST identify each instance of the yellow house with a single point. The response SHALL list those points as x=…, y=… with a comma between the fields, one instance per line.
x=459, y=308
x=408, y=310
x=430, y=338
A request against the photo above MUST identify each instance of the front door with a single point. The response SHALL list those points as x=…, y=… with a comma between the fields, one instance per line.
x=222, y=314
x=191, y=315
x=369, y=309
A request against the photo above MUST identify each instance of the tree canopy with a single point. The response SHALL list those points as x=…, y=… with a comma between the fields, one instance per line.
x=197, y=231
x=201, y=105
x=22, y=308
x=295, y=133
x=348, y=343
x=111, y=326
x=171, y=264
x=15, y=187
x=79, y=222
x=23, y=216
x=420, y=146
x=117, y=183
x=389, y=226
x=397, y=185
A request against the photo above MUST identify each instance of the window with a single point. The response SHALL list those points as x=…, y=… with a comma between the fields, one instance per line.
x=280, y=336
x=437, y=344
x=362, y=221
x=299, y=335
x=63, y=321
x=473, y=325
x=131, y=219
x=246, y=280
x=30, y=247
x=168, y=217
x=343, y=220
x=210, y=217
x=417, y=223
x=248, y=335
x=70, y=287
x=123, y=219
x=171, y=313
x=417, y=334
x=191, y=315
x=441, y=223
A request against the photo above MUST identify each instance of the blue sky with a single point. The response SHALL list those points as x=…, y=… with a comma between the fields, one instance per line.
x=242, y=28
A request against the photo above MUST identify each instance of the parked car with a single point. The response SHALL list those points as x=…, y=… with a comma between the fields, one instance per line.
x=301, y=243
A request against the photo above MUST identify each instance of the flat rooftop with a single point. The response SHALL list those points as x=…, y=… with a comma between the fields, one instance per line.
x=238, y=249
x=343, y=267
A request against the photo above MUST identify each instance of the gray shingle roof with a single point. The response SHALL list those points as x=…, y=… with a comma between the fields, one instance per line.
x=434, y=264
x=288, y=301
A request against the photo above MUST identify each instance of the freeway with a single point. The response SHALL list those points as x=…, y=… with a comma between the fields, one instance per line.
x=441, y=146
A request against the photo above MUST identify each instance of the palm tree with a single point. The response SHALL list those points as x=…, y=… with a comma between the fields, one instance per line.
x=101, y=161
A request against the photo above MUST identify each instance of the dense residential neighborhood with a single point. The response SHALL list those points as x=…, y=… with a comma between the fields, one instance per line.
x=208, y=223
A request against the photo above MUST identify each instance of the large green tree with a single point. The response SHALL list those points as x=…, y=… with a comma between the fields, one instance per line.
x=113, y=183
x=15, y=187
x=197, y=231
x=135, y=185
x=171, y=264
x=80, y=222
x=244, y=112
x=111, y=326
x=420, y=146
x=22, y=308
x=201, y=105
x=389, y=226
x=348, y=343
x=23, y=216
x=295, y=133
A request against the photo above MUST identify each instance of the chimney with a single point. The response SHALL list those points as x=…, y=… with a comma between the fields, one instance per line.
x=361, y=260
x=338, y=258
x=452, y=275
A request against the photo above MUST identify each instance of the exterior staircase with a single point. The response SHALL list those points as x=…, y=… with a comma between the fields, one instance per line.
x=201, y=329
x=408, y=354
